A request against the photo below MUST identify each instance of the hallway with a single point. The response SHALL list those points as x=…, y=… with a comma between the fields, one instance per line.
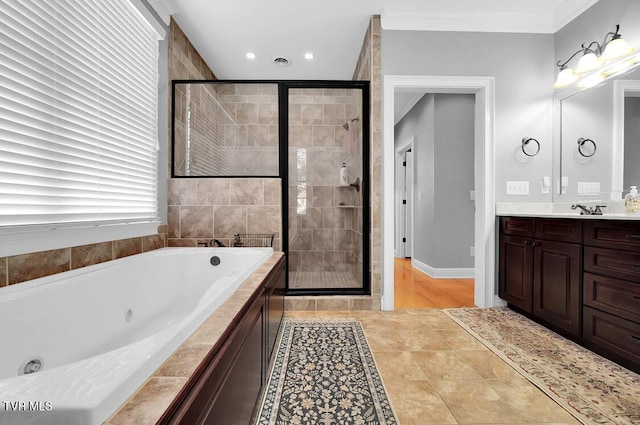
x=414, y=289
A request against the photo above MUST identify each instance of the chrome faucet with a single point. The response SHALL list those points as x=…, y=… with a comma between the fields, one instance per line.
x=588, y=210
x=215, y=242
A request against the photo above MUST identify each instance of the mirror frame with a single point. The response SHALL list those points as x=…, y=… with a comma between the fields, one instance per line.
x=620, y=89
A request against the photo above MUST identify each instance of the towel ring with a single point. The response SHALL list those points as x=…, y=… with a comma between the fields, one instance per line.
x=581, y=143
x=525, y=142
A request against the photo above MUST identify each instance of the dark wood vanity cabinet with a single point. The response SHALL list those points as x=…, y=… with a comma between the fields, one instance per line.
x=612, y=290
x=540, y=265
x=579, y=277
x=226, y=387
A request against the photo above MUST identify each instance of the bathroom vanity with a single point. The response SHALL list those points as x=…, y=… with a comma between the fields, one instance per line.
x=579, y=276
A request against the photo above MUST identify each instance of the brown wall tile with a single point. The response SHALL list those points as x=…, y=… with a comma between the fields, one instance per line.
x=196, y=222
x=3, y=272
x=246, y=192
x=39, y=264
x=153, y=242
x=229, y=221
x=127, y=247
x=86, y=255
x=263, y=219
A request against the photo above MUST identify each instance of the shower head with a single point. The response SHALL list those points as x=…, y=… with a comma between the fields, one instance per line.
x=347, y=124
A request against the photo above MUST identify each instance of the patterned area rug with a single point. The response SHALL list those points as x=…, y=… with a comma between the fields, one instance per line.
x=324, y=374
x=591, y=388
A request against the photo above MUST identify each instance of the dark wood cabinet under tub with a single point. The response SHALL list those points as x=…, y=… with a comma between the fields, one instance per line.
x=227, y=386
x=577, y=276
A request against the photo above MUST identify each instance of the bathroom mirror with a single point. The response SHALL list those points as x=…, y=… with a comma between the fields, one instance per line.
x=225, y=129
x=599, y=138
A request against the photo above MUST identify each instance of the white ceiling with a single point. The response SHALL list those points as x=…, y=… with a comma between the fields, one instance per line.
x=224, y=31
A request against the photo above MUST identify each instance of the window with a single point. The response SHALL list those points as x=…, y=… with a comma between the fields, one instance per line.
x=78, y=122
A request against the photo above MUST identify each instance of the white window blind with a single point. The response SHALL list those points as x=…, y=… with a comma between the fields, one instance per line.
x=78, y=115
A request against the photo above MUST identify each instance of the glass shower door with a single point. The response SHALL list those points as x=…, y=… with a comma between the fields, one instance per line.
x=325, y=216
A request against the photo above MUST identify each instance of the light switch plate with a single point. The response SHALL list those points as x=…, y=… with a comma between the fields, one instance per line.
x=517, y=188
x=588, y=188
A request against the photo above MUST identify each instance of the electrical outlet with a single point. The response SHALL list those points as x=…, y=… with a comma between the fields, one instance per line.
x=517, y=188
x=588, y=188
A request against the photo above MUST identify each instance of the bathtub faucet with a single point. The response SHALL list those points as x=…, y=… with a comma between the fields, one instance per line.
x=215, y=242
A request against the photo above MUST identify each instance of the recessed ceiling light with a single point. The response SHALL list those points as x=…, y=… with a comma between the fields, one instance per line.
x=251, y=55
x=308, y=56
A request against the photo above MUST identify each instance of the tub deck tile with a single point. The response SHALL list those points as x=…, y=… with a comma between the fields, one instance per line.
x=147, y=405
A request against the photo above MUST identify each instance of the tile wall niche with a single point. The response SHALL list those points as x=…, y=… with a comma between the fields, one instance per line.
x=201, y=209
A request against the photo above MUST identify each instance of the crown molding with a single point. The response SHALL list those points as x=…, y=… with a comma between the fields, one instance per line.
x=469, y=21
x=545, y=22
x=568, y=11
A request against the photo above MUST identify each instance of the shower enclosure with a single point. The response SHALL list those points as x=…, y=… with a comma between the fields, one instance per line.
x=326, y=219
x=302, y=132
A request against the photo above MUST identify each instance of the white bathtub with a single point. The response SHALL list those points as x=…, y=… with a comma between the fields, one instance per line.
x=102, y=330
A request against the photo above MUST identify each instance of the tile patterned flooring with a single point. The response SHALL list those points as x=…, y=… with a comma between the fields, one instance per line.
x=436, y=373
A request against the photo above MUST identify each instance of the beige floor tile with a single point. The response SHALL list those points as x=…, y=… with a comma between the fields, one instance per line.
x=475, y=401
x=398, y=366
x=488, y=365
x=385, y=339
x=531, y=402
x=299, y=313
x=424, y=339
x=444, y=364
x=418, y=403
x=459, y=339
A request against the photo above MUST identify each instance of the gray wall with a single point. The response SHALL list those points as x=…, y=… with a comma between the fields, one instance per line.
x=523, y=67
x=443, y=129
x=631, y=142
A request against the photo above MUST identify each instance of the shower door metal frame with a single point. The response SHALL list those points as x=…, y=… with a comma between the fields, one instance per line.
x=283, y=113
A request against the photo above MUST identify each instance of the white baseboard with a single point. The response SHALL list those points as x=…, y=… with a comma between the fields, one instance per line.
x=498, y=302
x=443, y=273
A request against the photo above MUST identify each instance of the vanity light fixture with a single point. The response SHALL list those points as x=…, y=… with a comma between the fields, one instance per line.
x=601, y=60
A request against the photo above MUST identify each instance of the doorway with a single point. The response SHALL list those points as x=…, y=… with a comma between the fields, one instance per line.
x=404, y=199
x=483, y=89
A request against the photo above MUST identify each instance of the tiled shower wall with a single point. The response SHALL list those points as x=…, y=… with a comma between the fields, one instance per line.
x=323, y=216
x=201, y=209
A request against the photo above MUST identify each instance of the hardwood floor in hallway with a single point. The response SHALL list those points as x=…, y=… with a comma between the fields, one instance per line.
x=414, y=289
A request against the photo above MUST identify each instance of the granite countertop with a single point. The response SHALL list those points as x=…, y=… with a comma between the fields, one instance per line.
x=614, y=210
x=149, y=402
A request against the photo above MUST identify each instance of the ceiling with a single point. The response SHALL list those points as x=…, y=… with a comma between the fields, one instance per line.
x=333, y=30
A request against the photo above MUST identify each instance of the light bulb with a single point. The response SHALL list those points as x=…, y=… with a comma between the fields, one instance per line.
x=565, y=78
x=587, y=63
x=616, y=48
x=251, y=55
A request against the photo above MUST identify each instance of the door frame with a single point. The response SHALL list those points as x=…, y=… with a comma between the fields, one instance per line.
x=484, y=159
x=401, y=252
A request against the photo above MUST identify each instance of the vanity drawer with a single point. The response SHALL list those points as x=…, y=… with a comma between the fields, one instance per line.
x=517, y=226
x=608, y=262
x=617, y=335
x=559, y=230
x=614, y=296
x=613, y=234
